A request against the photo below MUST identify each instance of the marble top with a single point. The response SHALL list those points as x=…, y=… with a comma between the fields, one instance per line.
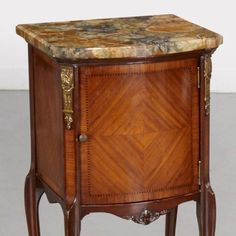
x=144, y=36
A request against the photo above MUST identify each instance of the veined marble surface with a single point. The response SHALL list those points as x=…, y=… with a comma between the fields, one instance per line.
x=144, y=36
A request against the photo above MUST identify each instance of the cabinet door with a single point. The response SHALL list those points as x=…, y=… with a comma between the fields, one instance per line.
x=142, y=122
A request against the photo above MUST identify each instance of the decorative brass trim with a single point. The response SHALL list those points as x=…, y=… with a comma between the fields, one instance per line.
x=207, y=78
x=146, y=217
x=67, y=84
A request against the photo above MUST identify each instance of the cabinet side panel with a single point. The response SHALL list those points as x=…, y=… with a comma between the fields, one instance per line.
x=142, y=124
x=49, y=122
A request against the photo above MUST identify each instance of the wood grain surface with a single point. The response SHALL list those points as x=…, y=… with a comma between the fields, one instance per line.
x=143, y=134
x=49, y=122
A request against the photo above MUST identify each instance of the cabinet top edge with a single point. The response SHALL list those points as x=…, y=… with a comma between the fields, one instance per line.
x=131, y=37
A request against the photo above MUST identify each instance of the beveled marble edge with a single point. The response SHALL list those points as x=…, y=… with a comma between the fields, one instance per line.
x=137, y=51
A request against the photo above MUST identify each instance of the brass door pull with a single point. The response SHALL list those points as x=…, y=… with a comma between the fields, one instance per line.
x=83, y=138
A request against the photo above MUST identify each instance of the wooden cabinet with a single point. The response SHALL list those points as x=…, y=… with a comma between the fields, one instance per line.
x=120, y=124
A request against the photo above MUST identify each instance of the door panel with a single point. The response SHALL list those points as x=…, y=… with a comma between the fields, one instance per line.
x=142, y=127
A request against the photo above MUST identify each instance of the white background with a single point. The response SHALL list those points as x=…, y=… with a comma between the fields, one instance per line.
x=218, y=16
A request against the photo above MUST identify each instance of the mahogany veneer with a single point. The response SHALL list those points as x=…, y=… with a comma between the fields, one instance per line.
x=127, y=136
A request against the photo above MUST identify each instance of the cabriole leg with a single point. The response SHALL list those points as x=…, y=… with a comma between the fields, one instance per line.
x=171, y=218
x=72, y=221
x=206, y=212
x=33, y=195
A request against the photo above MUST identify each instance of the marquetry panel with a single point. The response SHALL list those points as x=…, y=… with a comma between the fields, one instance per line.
x=142, y=127
x=70, y=163
x=49, y=122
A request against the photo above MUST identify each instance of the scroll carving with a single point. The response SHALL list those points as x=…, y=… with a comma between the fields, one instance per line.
x=67, y=83
x=207, y=79
x=146, y=217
